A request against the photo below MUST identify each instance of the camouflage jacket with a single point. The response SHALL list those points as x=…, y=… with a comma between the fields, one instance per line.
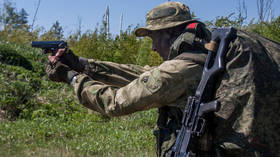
x=117, y=89
x=247, y=123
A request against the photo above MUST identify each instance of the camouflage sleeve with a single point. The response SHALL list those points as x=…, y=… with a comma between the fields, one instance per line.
x=114, y=74
x=155, y=88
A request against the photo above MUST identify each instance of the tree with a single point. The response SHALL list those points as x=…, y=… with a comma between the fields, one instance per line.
x=55, y=32
x=11, y=19
x=9, y=14
x=21, y=20
x=264, y=9
x=22, y=17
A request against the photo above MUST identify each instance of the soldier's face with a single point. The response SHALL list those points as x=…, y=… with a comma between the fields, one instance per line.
x=161, y=42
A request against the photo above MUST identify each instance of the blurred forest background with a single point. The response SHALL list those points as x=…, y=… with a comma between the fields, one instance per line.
x=43, y=118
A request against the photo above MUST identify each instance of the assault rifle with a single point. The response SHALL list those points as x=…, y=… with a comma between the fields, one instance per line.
x=196, y=113
x=49, y=46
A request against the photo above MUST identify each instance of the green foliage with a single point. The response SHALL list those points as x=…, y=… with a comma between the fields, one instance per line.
x=268, y=29
x=124, y=48
x=23, y=86
x=9, y=56
x=14, y=93
x=19, y=36
x=145, y=56
x=225, y=21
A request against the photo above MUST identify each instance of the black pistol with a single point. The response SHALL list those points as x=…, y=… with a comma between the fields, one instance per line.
x=49, y=46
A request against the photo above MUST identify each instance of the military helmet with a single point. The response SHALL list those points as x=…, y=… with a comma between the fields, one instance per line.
x=166, y=15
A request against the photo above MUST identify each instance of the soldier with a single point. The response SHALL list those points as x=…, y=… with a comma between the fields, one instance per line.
x=247, y=123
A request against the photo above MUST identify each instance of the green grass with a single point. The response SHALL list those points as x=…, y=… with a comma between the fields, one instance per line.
x=79, y=135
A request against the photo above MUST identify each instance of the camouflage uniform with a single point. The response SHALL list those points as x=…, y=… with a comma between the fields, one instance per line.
x=119, y=89
x=249, y=91
x=247, y=123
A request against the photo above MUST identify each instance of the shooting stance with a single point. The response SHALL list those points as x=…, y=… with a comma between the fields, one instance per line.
x=247, y=124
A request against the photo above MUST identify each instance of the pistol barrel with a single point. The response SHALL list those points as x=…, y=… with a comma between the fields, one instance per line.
x=49, y=44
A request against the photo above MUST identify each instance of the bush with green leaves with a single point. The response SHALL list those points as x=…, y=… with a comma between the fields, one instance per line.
x=270, y=29
x=25, y=91
x=124, y=48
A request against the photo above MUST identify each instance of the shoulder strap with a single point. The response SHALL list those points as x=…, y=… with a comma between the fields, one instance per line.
x=192, y=39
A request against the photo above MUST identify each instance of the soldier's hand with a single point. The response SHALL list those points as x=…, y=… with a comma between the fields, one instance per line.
x=60, y=72
x=67, y=57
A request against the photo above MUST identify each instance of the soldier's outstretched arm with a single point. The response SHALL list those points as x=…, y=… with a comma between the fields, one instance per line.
x=115, y=74
x=155, y=88
x=107, y=72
